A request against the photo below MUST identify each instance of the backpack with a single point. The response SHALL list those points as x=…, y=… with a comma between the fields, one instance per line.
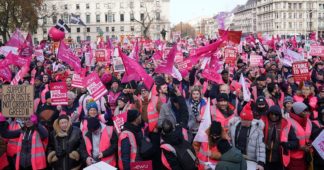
x=186, y=155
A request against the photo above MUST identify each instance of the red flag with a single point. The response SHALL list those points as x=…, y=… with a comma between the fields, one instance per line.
x=312, y=36
x=271, y=43
x=212, y=75
x=65, y=54
x=233, y=36
x=17, y=60
x=16, y=40
x=260, y=38
x=27, y=50
x=250, y=39
x=294, y=42
x=167, y=64
x=135, y=71
x=135, y=52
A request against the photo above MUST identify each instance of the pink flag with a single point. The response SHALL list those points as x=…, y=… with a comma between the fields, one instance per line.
x=135, y=52
x=5, y=73
x=134, y=71
x=17, y=60
x=21, y=73
x=65, y=54
x=27, y=50
x=294, y=42
x=16, y=40
x=212, y=75
x=167, y=64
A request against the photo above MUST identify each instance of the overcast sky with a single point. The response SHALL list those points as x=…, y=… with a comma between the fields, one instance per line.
x=184, y=10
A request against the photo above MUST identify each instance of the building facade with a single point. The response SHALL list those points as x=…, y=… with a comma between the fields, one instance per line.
x=245, y=17
x=110, y=18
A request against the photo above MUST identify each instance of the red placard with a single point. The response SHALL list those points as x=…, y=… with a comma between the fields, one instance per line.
x=77, y=81
x=141, y=165
x=230, y=55
x=101, y=56
x=95, y=86
x=58, y=92
x=301, y=71
x=316, y=50
x=256, y=60
x=119, y=121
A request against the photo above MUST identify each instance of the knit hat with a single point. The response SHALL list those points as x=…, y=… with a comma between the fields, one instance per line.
x=299, y=107
x=288, y=99
x=91, y=104
x=266, y=62
x=271, y=87
x=275, y=109
x=39, y=78
x=159, y=81
x=132, y=115
x=223, y=146
x=216, y=128
x=246, y=113
x=93, y=124
x=261, y=78
x=63, y=116
x=222, y=97
x=261, y=101
x=123, y=98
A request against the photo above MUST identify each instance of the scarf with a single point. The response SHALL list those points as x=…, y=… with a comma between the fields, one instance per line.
x=194, y=107
x=302, y=121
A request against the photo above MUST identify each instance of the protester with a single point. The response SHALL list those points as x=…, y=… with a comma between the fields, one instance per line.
x=66, y=147
x=222, y=111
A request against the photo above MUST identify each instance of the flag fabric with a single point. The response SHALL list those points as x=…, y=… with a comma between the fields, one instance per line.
x=5, y=72
x=65, y=54
x=167, y=64
x=135, y=52
x=220, y=19
x=75, y=19
x=16, y=40
x=17, y=60
x=21, y=73
x=27, y=50
x=246, y=91
x=62, y=26
x=294, y=42
x=204, y=125
x=233, y=36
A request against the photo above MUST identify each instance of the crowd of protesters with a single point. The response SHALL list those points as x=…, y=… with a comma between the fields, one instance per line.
x=274, y=129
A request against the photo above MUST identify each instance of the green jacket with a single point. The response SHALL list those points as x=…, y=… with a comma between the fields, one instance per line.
x=232, y=160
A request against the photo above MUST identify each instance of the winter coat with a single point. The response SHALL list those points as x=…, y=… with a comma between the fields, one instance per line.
x=167, y=112
x=66, y=150
x=232, y=160
x=255, y=150
x=193, y=125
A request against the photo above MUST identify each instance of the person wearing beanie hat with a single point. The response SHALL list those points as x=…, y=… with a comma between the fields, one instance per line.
x=307, y=97
x=278, y=133
x=129, y=139
x=37, y=138
x=287, y=106
x=92, y=108
x=260, y=107
x=300, y=108
x=231, y=158
x=247, y=136
x=258, y=90
x=123, y=105
x=222, y=111
x=113, y=93
x=65, y=144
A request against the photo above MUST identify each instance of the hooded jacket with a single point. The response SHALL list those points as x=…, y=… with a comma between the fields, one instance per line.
x=232, y=160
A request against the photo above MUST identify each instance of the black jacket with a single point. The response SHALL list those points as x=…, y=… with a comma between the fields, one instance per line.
x=66, y=151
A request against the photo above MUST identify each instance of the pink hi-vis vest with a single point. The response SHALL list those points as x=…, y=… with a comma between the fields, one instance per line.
x=133, y=149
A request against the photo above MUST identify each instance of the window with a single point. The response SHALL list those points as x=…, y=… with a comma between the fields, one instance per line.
x=295, y=5
x=88, y=38
x=65, y=6
x=88, y=29
x=121, y=17
x=97, y=6
x=110, y=17
x=290, y=25
x=284, y=15
x=88, y=18
x=132, y=28
x=290, y=15
x=98, y=18
x=122, y=28
x=131, y=4
x=98, y=29
x=45, y=20
x=121, y=4
x=142, y=4
x=300, y=25
x=300, y=5
x=106, y=17
x=77, y=29
x=112, y=29
x=295, y=15
x=107, y=29
x=284, y=5
x=158, y=17
x=300, y=15
x=113, y=17
x=142, y=17
x=289, y=5
x=44, y=31
x=87, y=6
x=54, y=7
x=54, y=18
x=132, y=17
x=109, y=5
x=77, y=6
x=78, y=39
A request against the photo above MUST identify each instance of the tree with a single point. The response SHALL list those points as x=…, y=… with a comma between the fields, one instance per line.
x=185, y=29
x=21, y=14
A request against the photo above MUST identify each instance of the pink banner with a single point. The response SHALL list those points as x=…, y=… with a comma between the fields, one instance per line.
x=256, y=60
x=5, y=73
x=301, y=71
x=212, y=75
x=20, y=75
x=17, y=60
x=27, y=50
x=58, y=92
x=119, y=121
x=16, y=40
x=166, y=65
x=65, y=54
x=230, y=55
x=77, y=81
x=316, y=50
x=95, y=86
x=102, y=57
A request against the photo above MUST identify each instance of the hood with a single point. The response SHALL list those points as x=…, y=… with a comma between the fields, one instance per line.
x=58, y=130
x=173, y=138
x=233, y=155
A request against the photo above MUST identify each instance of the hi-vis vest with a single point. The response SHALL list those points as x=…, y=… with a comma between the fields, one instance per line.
x=203, y=157
x=284, y=132
x=218, y=116
x=312, y=104
x=12, y=143
x=133, y=149
x=105, y=137
x=303, y=136
x=168, y=148
x=38, y=146
x=152, y=114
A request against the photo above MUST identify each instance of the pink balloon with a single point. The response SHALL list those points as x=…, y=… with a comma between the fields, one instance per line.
x=56, y=34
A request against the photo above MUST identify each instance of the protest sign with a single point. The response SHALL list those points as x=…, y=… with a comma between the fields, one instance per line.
x=77, y=81
x=141, y=165
x=100, y=166
x=319, y=144
x=17, y=101
x=300, y=71
x=316, y=50
x=95, y=86
x=230, y=55
x=184, y=65
x=118, y=65
x=119, y=121
x=256, y=60
x=101, y=56
x=58, y=92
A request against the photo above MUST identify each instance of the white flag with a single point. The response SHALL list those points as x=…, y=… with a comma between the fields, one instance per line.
x=246, y=91
x=204, y=125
